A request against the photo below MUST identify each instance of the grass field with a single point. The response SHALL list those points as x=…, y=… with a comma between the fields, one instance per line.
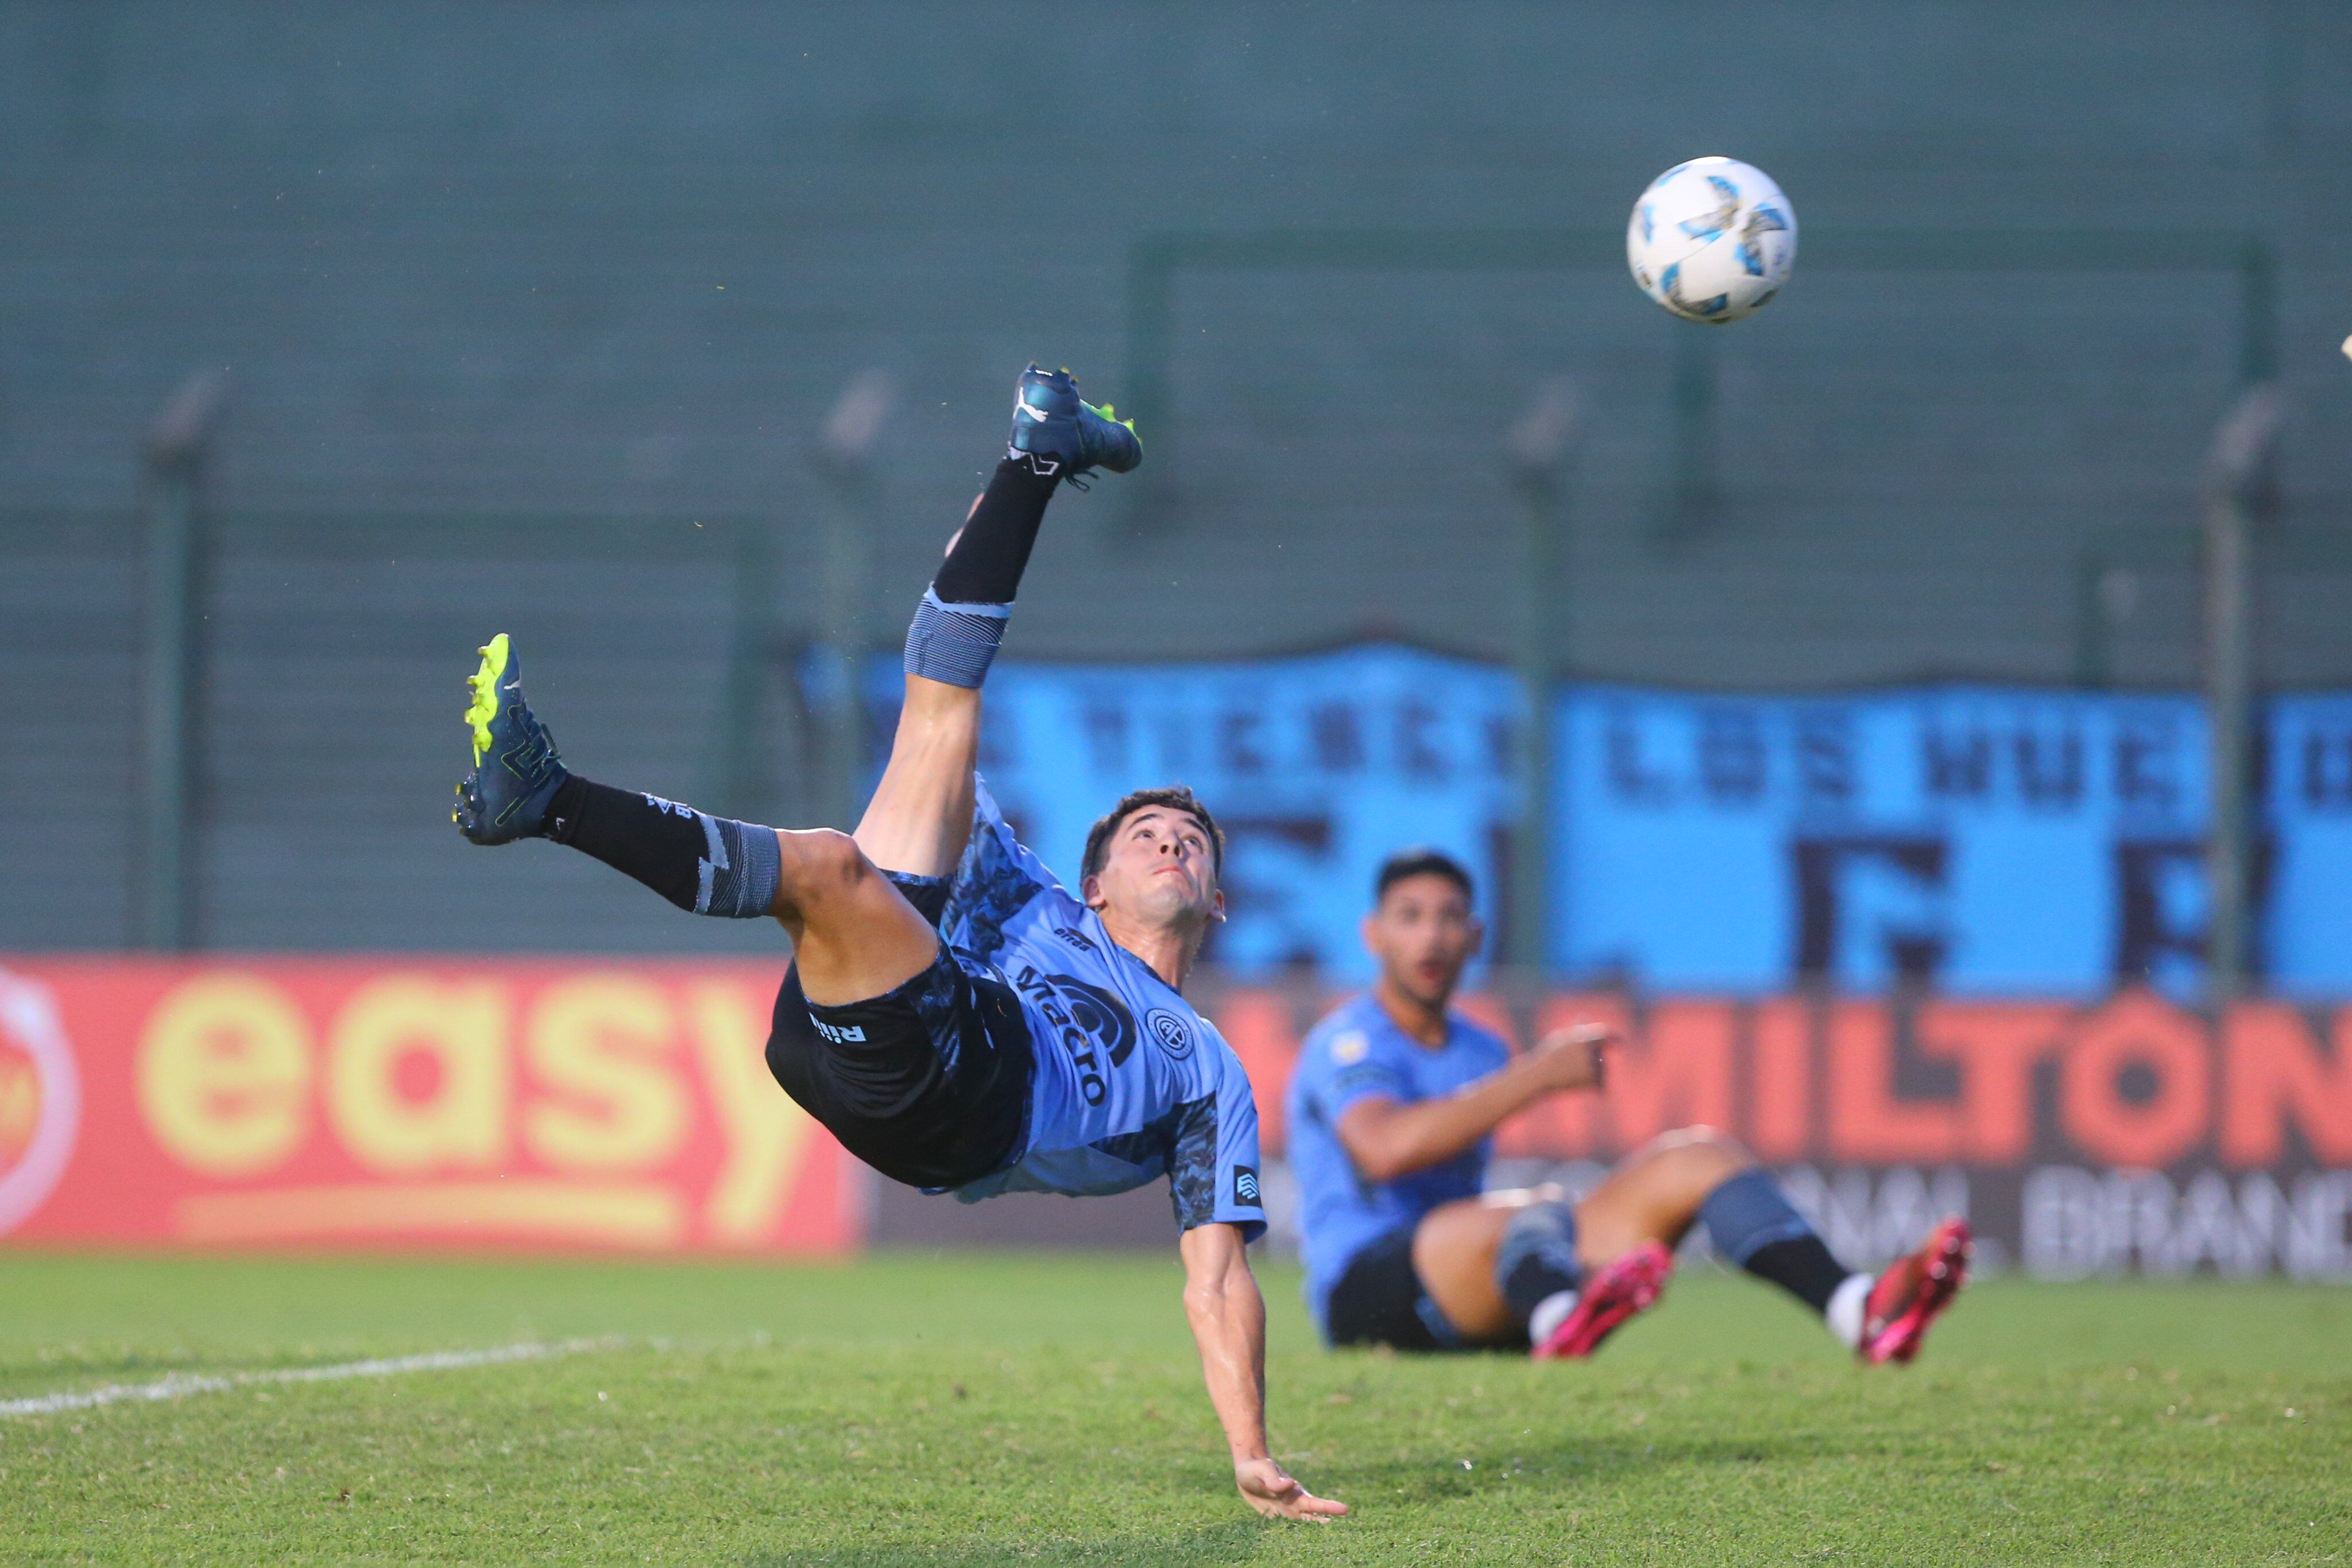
x=929, y=1410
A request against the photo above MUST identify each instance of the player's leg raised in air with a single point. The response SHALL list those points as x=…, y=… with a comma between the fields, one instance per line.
x=862, y=909
x=1391, y=1110
x=856, y=935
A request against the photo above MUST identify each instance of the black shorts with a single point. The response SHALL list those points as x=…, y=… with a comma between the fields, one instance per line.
x=929, y=1084
x=1380, y=1299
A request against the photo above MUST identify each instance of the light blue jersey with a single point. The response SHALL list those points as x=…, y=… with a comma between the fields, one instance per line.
x=1132, y=1083
x=1355, y=1053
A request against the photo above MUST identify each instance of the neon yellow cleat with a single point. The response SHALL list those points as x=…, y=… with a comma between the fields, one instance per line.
x=516, y=770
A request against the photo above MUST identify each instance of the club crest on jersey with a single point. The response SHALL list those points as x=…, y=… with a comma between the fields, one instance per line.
x=1245, y=1187
x=1351, y=1048
x=1174, y=1035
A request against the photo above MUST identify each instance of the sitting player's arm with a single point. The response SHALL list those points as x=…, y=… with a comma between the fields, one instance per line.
x=1386, y=1138
x=1228, y=1318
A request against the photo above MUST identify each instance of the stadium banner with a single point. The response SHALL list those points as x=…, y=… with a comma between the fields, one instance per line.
x=1985, y=840
x=587, y=1103
x=2129, y=1135
x=430, y=1102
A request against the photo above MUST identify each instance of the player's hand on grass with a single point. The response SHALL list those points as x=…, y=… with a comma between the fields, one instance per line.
x=1577, y=1057
x=1269, y=1489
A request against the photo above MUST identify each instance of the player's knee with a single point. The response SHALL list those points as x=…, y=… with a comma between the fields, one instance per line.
x=1699, y=1156
x=1721, y=1143
x=820, y=863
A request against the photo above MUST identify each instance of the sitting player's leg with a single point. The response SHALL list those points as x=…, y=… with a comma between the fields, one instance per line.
x=1514, y=1268
x=1658, y=1193
x=1572, y=1274
x=1700, y=1175
x=1492, y=1264
x=1569, y=1273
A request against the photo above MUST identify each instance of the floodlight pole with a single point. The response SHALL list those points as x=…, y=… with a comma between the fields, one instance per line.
x=1537, y=451
x=173, y=463
x=840, y=456
x=2237, y=485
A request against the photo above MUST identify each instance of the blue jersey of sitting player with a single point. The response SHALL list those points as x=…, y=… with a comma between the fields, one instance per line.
x=1131, y=1084
x=1355, y=1053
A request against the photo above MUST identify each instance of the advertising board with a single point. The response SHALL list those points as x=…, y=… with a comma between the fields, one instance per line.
x=625, y=1105
x=2129, y=1135
x=232, y=1103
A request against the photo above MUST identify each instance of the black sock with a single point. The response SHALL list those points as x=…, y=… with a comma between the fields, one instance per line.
x=1534, y=1281
x=704, y=864
x=986, y=564
x=1536, y=1260
x=1802, y=1266
x=1754, y=1225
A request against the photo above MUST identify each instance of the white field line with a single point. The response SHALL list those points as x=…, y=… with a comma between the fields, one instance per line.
x=179, y=1385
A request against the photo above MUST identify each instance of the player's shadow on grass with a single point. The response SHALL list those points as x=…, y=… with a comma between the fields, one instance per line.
x=1237, y=1541
x=1596, y=1462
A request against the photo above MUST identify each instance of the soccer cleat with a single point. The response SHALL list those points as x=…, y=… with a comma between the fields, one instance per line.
x=1907, y=1298
x=1616, y=1293
x=516, y=770
x=1050, y=425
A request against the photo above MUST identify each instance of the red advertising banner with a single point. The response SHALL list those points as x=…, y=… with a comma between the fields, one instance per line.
x=563, y=1104
x=576, y=1104
x=2134, y=1135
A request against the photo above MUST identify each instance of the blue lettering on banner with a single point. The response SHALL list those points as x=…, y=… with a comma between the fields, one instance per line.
x=1988, y=839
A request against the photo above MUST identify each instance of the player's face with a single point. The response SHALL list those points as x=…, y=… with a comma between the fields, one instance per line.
x=1159, y=870
x=1423, y=933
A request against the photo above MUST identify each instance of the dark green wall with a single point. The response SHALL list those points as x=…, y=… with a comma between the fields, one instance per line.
x=615, y=260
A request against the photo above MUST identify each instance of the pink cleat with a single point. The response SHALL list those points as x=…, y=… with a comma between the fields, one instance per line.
x=1616, y=1293
x=1907, y=1298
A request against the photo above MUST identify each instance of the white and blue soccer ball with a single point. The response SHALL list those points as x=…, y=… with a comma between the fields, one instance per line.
x=1712, y=240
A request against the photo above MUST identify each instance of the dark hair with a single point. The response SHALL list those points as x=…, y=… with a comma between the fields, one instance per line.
x=1176, y=797
x=1421, y=860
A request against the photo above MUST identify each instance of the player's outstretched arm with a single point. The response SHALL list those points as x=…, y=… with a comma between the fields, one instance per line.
x=1386, y=1139
x=1228, y=1318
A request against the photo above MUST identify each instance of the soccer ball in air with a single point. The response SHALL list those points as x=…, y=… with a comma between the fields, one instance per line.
x=1712, y=240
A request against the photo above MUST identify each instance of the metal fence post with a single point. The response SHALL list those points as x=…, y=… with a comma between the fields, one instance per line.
x=843, y=619
x=1537, y=451
x=2236, y=481
x=1688, y=495
x=743, y=754
x=174, y=462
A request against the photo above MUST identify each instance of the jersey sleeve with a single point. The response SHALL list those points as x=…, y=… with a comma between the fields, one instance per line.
x=1349, y=1064
x=998, y=879
x=1212, y=1170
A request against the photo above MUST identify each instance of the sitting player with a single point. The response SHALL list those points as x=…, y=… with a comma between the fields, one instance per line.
x=955, y=1018
x=1391, y=1114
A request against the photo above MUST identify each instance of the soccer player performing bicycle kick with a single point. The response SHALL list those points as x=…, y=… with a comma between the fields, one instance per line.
x=954, y=1016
